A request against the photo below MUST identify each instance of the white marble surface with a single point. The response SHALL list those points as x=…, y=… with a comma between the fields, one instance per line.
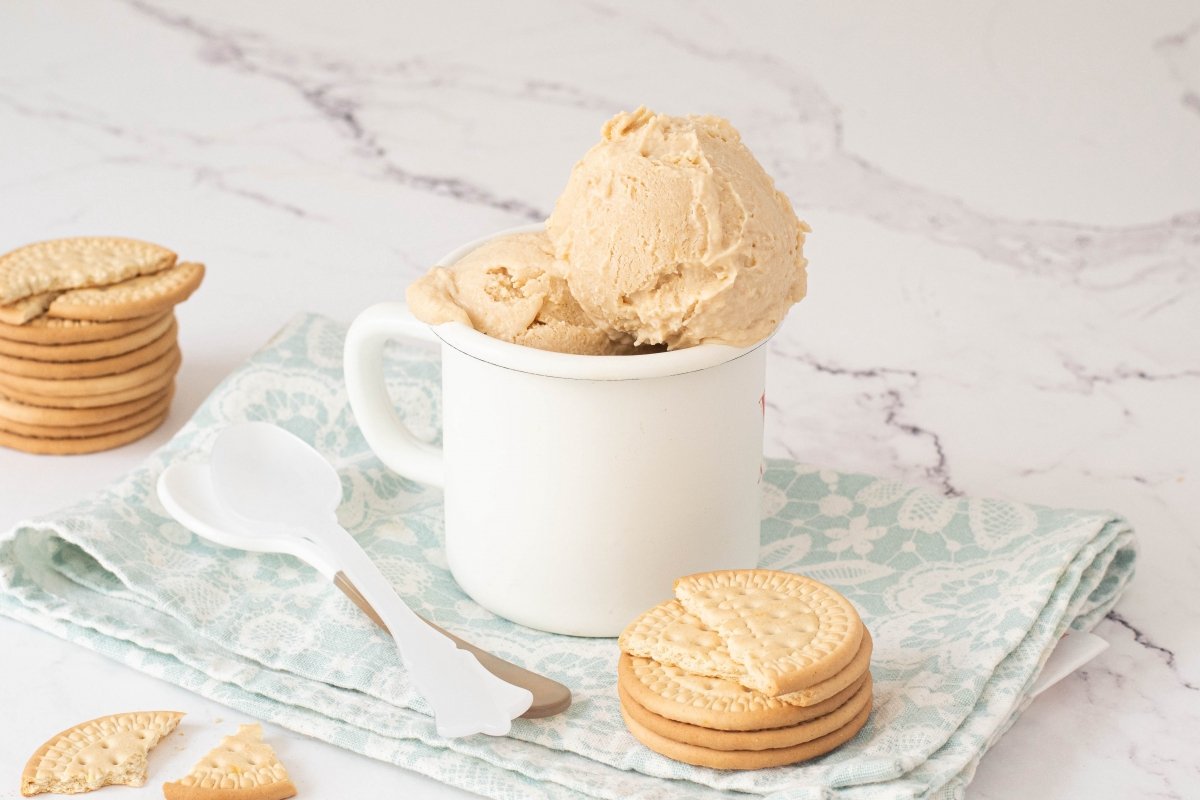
x=1005, y=280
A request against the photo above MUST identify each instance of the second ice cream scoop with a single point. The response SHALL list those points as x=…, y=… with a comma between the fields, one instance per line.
x=673, y=233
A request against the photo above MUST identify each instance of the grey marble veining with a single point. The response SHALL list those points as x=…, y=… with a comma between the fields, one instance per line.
x=1005, y=263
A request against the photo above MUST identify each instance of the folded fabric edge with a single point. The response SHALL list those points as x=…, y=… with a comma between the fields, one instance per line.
x=1113, y=539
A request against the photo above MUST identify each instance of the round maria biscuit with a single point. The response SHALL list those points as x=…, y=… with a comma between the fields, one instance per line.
x=152, y=385
x=716, y=703
x=160, y=404
x=770, y=739
x=745, y=759
x=49, y=331
x=136, y=297
x=78, y=446
x=62, y=370
x=12, y=411
x=80, y=261
x=88, y=351
x=788, y=631
x=87, y=387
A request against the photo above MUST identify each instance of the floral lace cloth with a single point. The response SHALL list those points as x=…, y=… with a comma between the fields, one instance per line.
x=965, y=599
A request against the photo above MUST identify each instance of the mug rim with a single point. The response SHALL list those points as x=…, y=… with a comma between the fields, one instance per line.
x=551, y=364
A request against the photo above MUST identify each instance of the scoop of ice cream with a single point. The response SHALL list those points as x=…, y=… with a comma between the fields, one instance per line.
x=673, y=233
x=509, y=288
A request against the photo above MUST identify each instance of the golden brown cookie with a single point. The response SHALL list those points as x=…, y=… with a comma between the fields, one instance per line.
x=716, y=703
x=72, y=263
x=161, y=403
x=116, y=365
x=15, y=412
x=242, y=767
x=787, y=631
x=745, y=759
x=87, y=351
x=87, y=387
x=25, y=309
x=48, y=331
x=153, y=385
x=765, y=739
x=75, y=446
x=101, y=752
x=668, y=634
x=136, y=297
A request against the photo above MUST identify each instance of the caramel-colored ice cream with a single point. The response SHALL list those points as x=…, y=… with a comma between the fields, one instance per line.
x=509, y=288
x=669, y=233
x=673, y=233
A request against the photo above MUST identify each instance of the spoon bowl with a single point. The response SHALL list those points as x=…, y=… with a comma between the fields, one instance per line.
x=186, y=491
x=271, y=477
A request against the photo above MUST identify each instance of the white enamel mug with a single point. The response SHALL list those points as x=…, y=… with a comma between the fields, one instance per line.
x=577, y=488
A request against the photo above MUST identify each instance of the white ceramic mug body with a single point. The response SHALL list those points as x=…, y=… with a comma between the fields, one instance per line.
x=577, y=488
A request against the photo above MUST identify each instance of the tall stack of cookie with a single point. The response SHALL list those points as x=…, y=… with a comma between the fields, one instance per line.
x=746, y=669
x=88, y=345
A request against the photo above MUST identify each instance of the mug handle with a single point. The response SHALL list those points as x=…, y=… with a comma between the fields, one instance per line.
x=383, y=429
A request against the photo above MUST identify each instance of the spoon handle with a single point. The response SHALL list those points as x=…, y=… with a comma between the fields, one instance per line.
x=465, y=697
x=549, y=696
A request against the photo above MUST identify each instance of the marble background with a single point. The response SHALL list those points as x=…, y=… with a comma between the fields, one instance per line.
x=1005, y=263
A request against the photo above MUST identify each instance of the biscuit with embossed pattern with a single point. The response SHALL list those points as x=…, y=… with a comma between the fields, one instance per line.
x=788, y=631
x=670, y=635
x=242, y=767
x=101, y=752
x=27, y=308
x=77, y=262
x=136, y=297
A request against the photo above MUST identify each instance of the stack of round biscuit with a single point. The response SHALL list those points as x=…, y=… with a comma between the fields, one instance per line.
x=88, y=348
x=746, y=669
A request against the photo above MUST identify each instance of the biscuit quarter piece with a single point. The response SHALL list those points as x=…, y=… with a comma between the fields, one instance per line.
x=26, y=308
x=74, y=263
x=242, y=767
x=668, y=634
x=136, y=297
x=105, y=751
x=789, y=632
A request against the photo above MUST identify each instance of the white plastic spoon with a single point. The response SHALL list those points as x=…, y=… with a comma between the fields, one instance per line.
x=267, y=477
x=186, y=492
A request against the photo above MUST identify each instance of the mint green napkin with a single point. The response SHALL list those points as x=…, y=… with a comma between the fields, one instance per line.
x=965, y=599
